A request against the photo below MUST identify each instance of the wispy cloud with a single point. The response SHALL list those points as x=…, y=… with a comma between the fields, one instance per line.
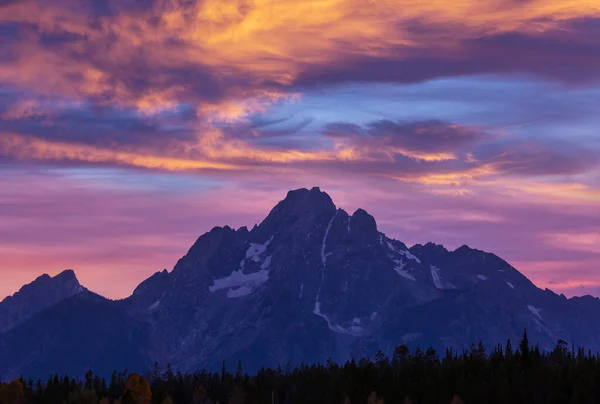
x=476, y=116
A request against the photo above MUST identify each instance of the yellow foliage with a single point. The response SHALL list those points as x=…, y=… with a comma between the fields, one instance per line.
x=139, y=389
x=457, y=400
x=12, y=393
x=373, y=399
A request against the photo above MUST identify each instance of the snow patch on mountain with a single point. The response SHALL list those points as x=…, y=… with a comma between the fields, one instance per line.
x=324, y=243
x=406, y=253
x=535, y=311
x=266, y=264
x=239, y=292
x=317, y=308
x=482, y=277
x=154, y=305
x=511, y=285
x=401, y=271
x=437, y=279
x=255, y=250
x=353, y=330
x=405, y=274
x=237, y=279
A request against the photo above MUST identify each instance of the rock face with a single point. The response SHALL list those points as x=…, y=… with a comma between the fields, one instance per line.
x=310, y=282
x=40, y=294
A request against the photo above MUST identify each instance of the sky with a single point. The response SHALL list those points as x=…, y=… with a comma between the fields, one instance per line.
x=130, y=127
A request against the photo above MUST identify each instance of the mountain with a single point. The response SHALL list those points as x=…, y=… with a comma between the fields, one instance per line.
x=33, y=298
x=310, y=282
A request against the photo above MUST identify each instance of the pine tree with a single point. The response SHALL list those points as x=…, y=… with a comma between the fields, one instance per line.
x=89, y=380
x=400, y=354
x=480, y=352
x=524, y=348
x=239, y=373
x=201, y=396
x=237, y=396
x=509, y=350
x=156, y=375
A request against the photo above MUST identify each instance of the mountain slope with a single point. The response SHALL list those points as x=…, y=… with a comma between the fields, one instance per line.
x=33, y=298
x=310, y=282
x=82, y=332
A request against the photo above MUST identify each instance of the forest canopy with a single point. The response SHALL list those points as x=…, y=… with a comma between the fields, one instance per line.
x=521, y=374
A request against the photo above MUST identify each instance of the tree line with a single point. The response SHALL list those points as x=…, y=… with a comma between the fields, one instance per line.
x=522, y=374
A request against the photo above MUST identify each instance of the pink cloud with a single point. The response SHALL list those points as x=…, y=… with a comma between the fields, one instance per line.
x=184, y=80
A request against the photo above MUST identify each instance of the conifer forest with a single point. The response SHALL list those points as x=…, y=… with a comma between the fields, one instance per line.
x=505, y=374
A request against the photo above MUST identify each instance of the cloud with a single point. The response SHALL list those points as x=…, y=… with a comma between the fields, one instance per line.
x=120, y=224
x=587, y=241
x=167, y=53
x=195, y=88
x=433, y=153
x=438, y=152
x=537, y=157
x=429, y=141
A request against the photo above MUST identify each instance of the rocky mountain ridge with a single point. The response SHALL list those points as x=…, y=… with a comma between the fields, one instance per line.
x=45, y=291
x=310, y=282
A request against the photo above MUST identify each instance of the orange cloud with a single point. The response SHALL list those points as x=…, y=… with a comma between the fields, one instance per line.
x=212, y=150
x=240, y=110
x=263, y=41
x=26, y=148
x=551, y=191
x=455, y=178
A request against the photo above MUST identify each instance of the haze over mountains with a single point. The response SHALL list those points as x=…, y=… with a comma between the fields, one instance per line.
x=310, y=282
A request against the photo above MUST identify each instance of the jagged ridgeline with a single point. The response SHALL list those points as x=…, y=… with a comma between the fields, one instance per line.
x=308, y=283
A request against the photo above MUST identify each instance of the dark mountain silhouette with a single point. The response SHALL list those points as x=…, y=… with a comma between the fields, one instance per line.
x=40, y=294
x=310, y=282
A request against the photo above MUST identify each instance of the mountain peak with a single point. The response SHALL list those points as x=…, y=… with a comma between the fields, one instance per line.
x=64, y=279
x=364, y=222
x=302, y=205
x=66, y=275
x=320, y=280
x=41, y=278
x=303, y=194
x=43, y=292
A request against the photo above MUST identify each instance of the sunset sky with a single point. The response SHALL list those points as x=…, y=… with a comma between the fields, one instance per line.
x=130, y=127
